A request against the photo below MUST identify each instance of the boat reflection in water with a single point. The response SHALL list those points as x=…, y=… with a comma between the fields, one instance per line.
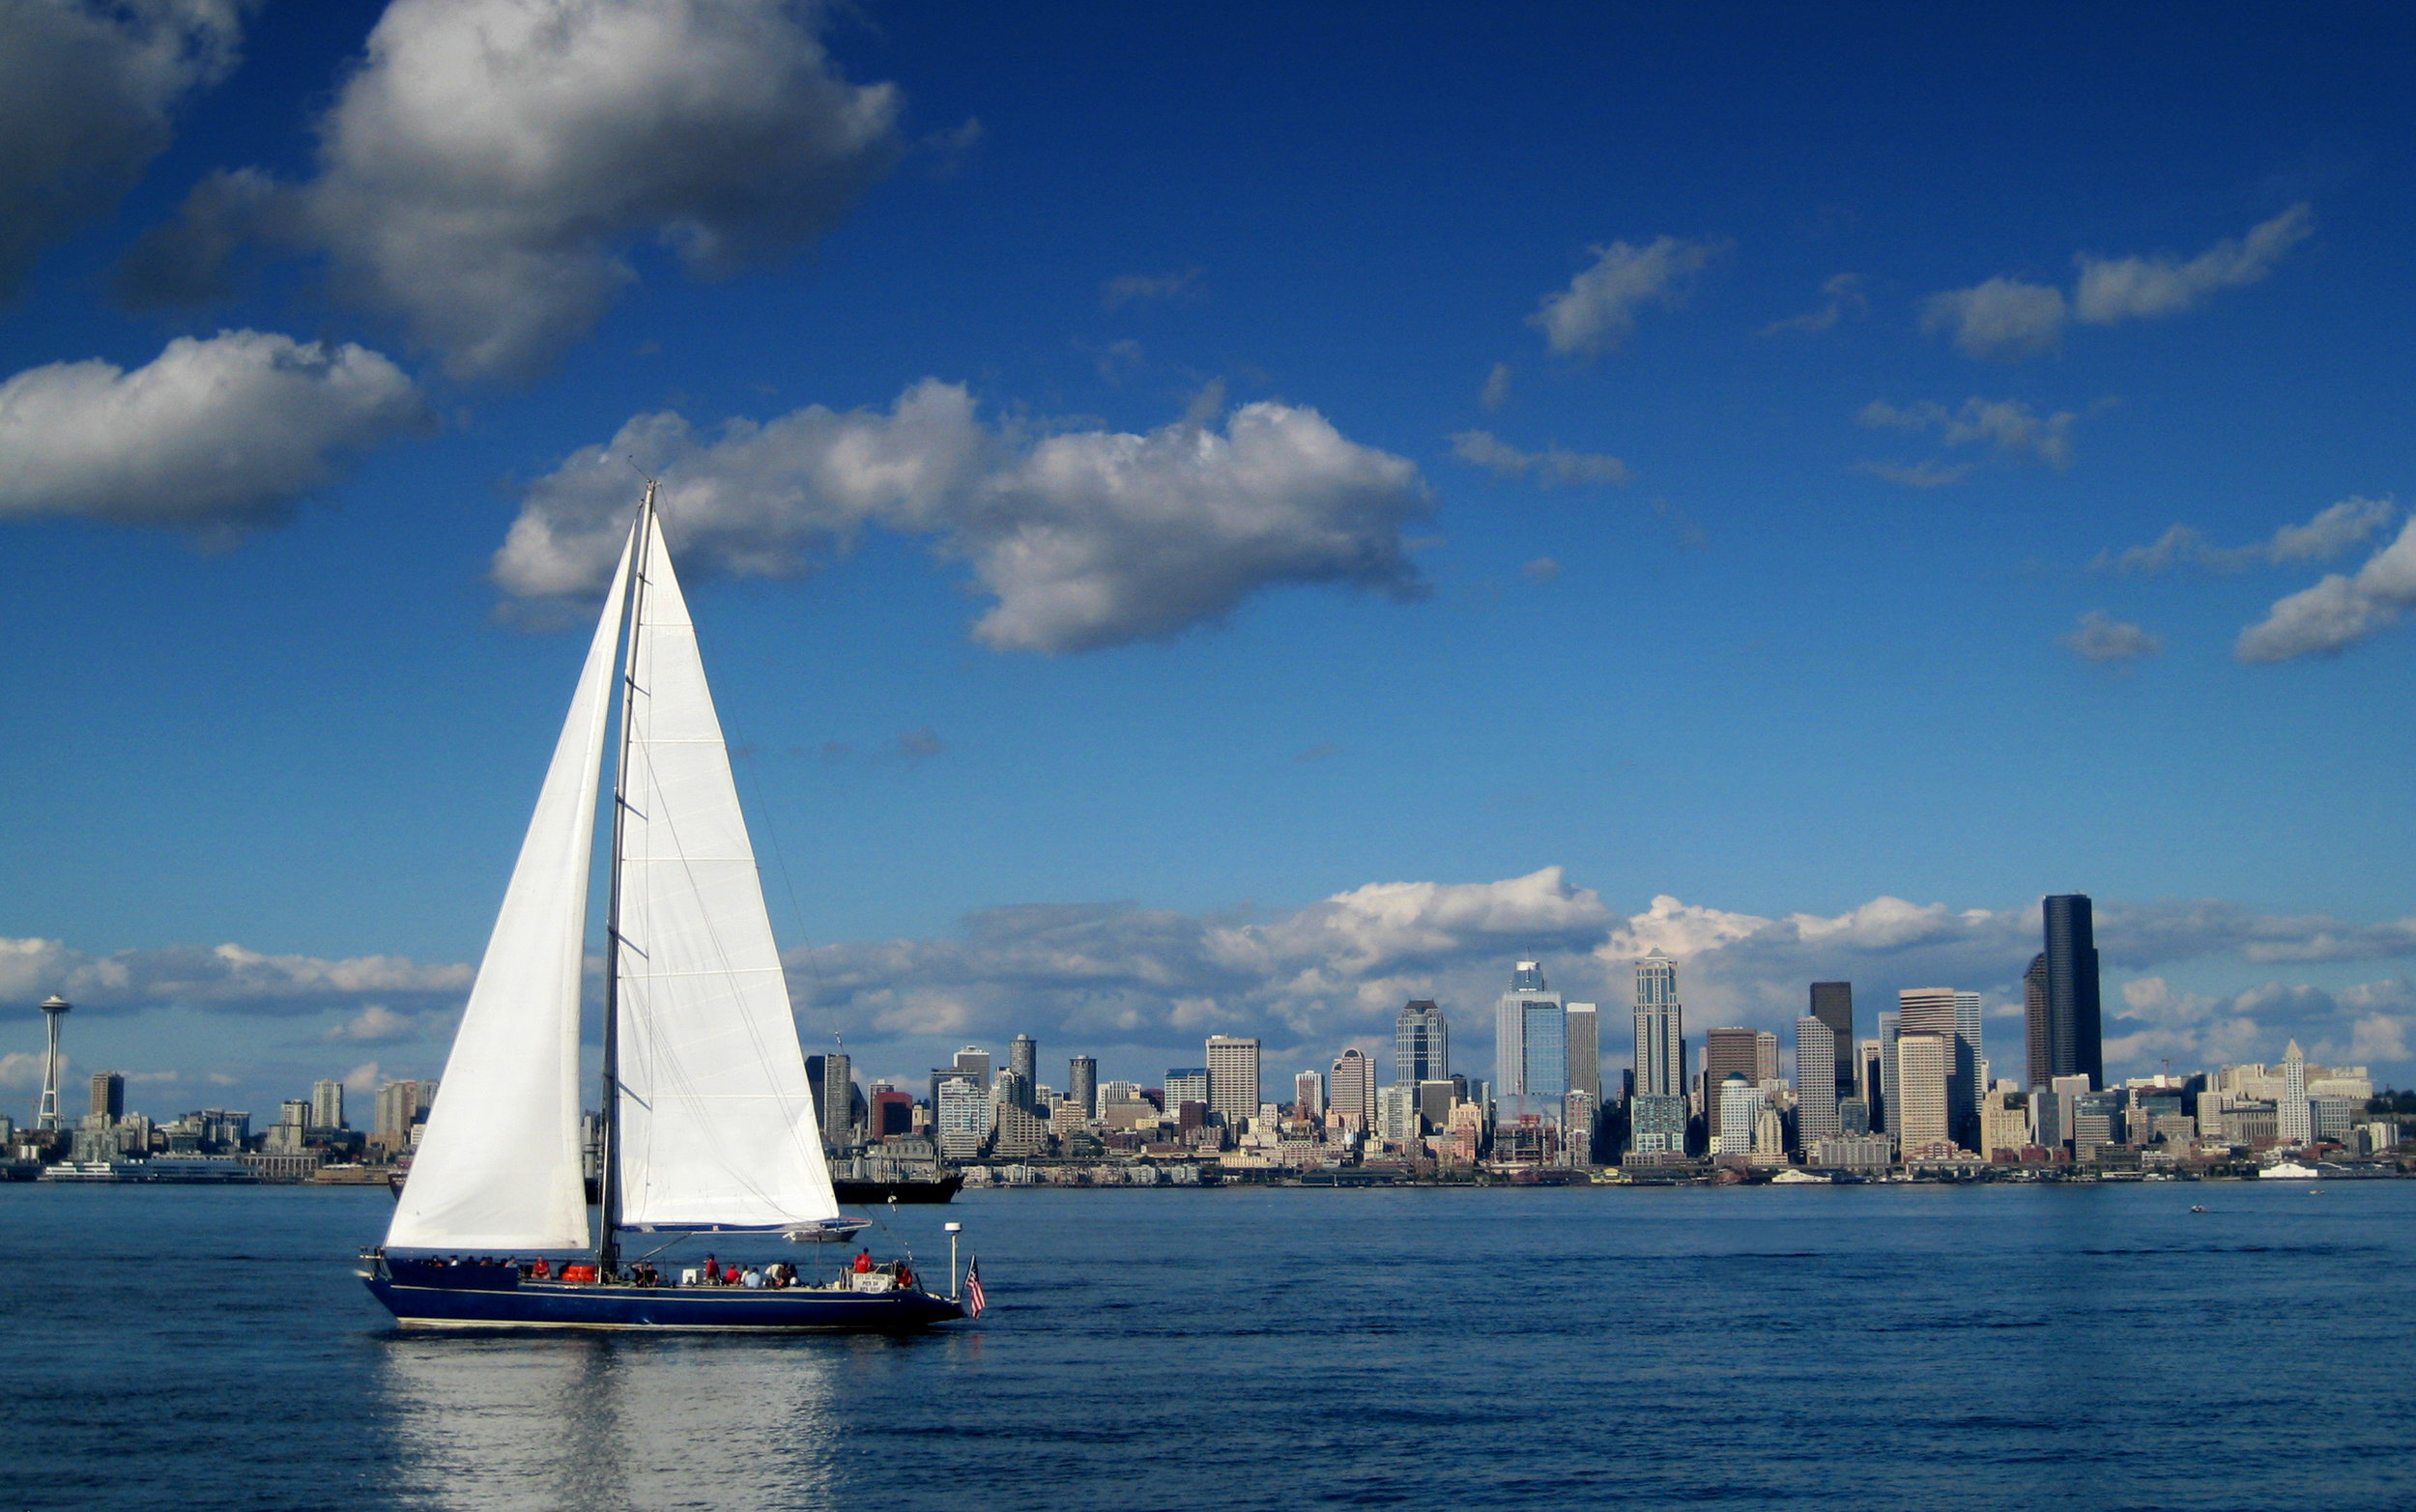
x=509, y=1420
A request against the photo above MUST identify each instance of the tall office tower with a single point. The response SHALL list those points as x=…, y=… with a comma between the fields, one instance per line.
x=1816, y=1093
x=1832, y=1004
x=2294, y=1115
x=1866, y=1074
x=1577, y=1119
x=974, y=1060
x=1081, y=1084
x=1739, y=1103
x=1530, y=1042
x=1435, y=1101
x=1185, y=1084
x=1923, y=1069
x=1309, y=1095
x=2073, y=1028
x=1660, y=1030
x=1422, y=1047
x=398, y=1107
x=1023, y=1059
x=1726, y=1053
x=1933, y=1011
x=1887, y=1110
x=1967, y=1030
x=1765, y=1057
x=2038, y=1037
x=838, y=1109
x=1351, y=1089
x=108, y=1095
x=1585, y=1051
x=1233, y=1079
x=327, y=1103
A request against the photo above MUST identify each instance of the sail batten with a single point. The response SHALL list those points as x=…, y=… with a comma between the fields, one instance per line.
x=499, y=1163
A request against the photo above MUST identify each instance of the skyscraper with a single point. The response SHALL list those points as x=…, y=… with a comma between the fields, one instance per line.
x=2294, y=1115
x=1351, y=1089
x=975, y=1061
x=1081, y=1084
x=1660, y=1029
x=1585, y=1051
x=1765, y=1057
x=1816, y=1093
x=108, y=1095
x=1233, y=1077
x=1736, y=1103
x=1887, y=1073
x=2074, y=1032
x=1023, y=1059
x=1309, y=1095
x=1422, y=1049
x=1726, y=1053
x=1185, y=1084
x=1832, y=1004
x=1935, y=1011
x=2037, y=1032
x=327, y=1103
x=1531, y=1041
x=1967, y=1030
x=1922, y=1062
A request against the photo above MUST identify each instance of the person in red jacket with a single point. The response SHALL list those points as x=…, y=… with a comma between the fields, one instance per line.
x=863, y=1262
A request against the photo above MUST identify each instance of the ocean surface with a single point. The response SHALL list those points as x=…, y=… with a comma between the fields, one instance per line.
x=2032, y=1348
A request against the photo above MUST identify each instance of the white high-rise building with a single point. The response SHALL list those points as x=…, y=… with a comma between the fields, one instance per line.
x=1740, y=1104
x=1815, y=1083
x=1923, y=1062
x=327, y=1103
x=1233, y=1079
x=1397, y=1113
x=1660, y=1029
x=1530, y=1043
x=964, y=1118
x=1585, y=1051
x=2294, y=1116
x=1351, y=1090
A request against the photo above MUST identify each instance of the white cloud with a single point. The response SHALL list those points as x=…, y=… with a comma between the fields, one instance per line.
x=226, y=978
x=1497, y=390
x=2335, y=529
x=364, y=1077
x=2002, y=318
x=2340, y=611
x=2099, y=637
x=87, y=91
x=1845, y=293
x=2008, y=426
x=1918, y=474
x=2132, y=288
x=1542, y=569
x=1550, y=468
x=1086, y=540
x=482, y=174
x=1130, y=289
x=222, y=433
x=24, y=1069
x=377, y=1024
x=1597, y=310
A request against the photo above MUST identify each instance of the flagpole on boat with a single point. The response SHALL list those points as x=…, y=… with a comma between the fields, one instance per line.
x=608, y=1174
x=953, y=1230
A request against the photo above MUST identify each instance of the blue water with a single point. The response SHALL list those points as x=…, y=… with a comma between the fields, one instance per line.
x=1929, y=1347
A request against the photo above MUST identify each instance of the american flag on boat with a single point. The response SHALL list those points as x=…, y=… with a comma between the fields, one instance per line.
x=974, y=1286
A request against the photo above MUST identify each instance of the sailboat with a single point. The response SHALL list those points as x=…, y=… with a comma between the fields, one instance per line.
x=708, y=1122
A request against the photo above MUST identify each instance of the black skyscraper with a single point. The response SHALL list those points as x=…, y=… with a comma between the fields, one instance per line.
x=1832, y=1004
x=2074, y=1040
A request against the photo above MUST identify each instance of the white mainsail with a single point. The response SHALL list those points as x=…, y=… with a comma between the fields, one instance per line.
x=498, y=1165
x=717, y=1125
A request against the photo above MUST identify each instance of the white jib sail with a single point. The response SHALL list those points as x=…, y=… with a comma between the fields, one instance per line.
x=497, y=1166
x=718, y=1122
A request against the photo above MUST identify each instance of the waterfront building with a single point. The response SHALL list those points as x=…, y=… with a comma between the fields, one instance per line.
x=2004, y=1121
x=1308, y=1095
x=1923, y=1062
x=2332, y=1118
x=2073, y=1028
x=1660, y=1030
x=1585, y=1050
x=1023, y=1059
x=327, y=1103
x=2294, y=1120
x=1421, y=1048
x=1530, y=1041
x=2096, y=1122
x=108, y=1095
x=1656, y=1123
x=1184, y=1084
x=2037, y=1034
x=1832, y=1004
x=1233, y=1077
x=1577, y=1119
x=1817, y=1077
x=1081, y=1083
x=1351, y=1090
x=1857, y=1153
x=963, y=1117
x=1739, y=1102
x=1726, y=1053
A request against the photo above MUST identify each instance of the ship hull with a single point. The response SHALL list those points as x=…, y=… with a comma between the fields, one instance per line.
x=540, y=1304
x=859, y=1193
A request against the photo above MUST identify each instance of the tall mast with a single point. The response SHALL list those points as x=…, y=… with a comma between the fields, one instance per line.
x=608, y=1172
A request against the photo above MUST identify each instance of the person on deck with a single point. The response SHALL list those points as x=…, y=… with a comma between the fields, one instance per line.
x=542, y=1270
x=863, y=1262
x=712, y=1272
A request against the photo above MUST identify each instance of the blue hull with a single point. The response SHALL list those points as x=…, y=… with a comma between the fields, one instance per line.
x=543, y=1304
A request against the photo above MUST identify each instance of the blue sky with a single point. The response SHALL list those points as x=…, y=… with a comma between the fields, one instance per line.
x=1694, y=449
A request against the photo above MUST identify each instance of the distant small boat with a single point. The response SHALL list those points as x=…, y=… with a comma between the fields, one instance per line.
x=2287, y=1171
x=2198, y=1207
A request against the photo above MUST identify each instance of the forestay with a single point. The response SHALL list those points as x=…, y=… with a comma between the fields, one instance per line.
x=499, y=1163
x=717, y=1125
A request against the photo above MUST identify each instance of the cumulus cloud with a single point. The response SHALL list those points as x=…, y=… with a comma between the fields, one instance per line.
x=1597, y=310
x=1497, y=390
x=216, y=433
x=1127, y=290
x=1083, y=540
x=1550, y=467
x=2099, y=637
x=226, y=978
x=2002, y=318
x=88, y=91
x=1845, y=296
x=2132, y=288
x=482, y=174
x=2341, y=609
x=2009, y=427
x=2334, y=530
x=377, y=1024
